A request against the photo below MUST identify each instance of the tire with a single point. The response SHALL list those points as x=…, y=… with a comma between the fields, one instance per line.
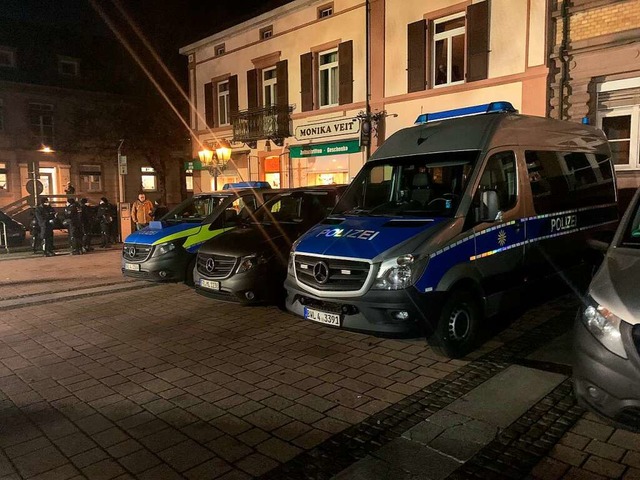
x=457, y=331
x=188, y=275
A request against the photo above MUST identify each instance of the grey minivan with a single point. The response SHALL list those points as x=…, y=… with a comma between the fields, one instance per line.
x=606, y=372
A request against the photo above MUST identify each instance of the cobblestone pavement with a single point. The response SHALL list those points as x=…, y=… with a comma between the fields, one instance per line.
x=157, y=382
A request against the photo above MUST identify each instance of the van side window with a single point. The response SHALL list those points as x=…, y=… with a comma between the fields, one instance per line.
x=566, y=180
x=500, y=176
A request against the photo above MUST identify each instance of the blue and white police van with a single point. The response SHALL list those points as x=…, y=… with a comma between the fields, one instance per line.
x=450, y=220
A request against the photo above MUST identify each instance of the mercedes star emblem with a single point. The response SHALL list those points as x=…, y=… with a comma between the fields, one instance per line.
x=210, y=265
x=321, y=272
x=132, y=251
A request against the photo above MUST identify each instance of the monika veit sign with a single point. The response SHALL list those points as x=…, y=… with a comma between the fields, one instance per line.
x=324, y=149
x=330, y=128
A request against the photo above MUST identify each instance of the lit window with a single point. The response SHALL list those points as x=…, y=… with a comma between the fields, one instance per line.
x=328, y=75
x=41, y=123
x=3, y=176
x=620, y=125
x=90, y=178
x=68, y=67
x=266, y=32
x=219, y=50
x=223, y=103
x=326, y=11
x=448, y=50
x=148, y=179
x=269, y=85
x=7, y=57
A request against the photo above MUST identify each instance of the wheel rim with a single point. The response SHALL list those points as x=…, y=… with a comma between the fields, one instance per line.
x=459, y=324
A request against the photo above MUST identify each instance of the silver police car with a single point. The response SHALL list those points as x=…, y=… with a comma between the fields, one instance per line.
x=606, y=372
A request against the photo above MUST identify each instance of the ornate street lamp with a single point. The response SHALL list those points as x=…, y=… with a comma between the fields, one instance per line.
x=215, y=163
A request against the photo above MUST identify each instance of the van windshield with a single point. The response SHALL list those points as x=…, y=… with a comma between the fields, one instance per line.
x=296, y=207
x=429, y=185
x=194, y=209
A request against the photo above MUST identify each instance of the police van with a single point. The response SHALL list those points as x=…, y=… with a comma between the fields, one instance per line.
x=450, y=220
x=166, y=249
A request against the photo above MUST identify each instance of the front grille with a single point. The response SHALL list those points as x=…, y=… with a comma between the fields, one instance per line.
x=344, y=275
x=140, y=252
x=222, y=268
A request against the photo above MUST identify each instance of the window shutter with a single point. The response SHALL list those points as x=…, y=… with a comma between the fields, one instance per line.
x=306, y=81
x=233, y=97
x=252, y=88
x=282, y=76
x=477, y=41
x=208, y=105
x=417, y=56
x=345, y=72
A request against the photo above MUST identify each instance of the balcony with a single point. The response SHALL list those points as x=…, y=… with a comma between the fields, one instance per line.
x=273, y=122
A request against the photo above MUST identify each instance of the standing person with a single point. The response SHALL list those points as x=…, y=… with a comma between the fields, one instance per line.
x=73, y=222
x=69, y=189
x=85, y=219
x=36, y=239
x=45, y=216
x=105, y=216
x=158, y=211
x=141, y=211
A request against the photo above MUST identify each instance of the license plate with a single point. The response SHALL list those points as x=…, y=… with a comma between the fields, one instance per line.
x=209, y=284
x=322, y=317
x=132, y=266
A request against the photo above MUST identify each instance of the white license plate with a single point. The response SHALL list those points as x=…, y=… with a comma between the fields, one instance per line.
x=322, y=317
x=132, y=266
x=209, y=284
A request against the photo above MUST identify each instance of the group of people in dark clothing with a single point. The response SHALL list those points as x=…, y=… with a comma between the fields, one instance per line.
x=77, y=218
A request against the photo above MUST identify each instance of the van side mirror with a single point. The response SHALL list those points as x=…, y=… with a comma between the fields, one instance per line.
x=230, y=216
x=489, y=206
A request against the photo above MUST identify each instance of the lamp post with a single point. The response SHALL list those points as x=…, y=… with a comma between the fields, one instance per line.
x=215, y=163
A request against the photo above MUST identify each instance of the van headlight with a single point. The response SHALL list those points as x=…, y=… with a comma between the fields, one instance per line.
x=250, y=261
x=399, y=273
x=290, y=266
x=605, y=326
x=163, y=249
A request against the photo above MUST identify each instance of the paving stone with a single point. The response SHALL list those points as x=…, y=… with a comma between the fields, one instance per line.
x=185, y=455
x=89, y=457
x=302, y=413
x=371, y=468
x=163, y=439
x=110, y=437
x=229, y=448
x=163, y=472
x=256, y=464
x=139, y=461
x=39, y=461
x=424, y=432
x=592, y=429
x=278, y=449
x=575, y=441
x=605, y=450
x=549, y=469
x=311, y=439
x=632, y=458
x=29, y=446
x=267, y=419
x=74, y=444
x=253, y=437
x=625, y=439
x=213, y=468
x=417, y=459
x=604, y=467
x=124, y=448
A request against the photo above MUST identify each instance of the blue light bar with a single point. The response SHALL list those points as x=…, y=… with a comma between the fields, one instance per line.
x=493, y=107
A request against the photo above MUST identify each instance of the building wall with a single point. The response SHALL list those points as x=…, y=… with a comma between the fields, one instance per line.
x=517, y=71
x=602, y=52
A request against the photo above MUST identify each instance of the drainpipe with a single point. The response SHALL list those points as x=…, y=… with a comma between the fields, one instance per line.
x=367, y=7
x=564, y=57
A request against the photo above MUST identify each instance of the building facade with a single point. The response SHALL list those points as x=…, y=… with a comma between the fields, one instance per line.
x=68, y=92
x=289, y=88
x=596, y=74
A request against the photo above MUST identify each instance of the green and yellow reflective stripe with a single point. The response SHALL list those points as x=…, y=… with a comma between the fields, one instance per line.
x=181, y=234
x=204, y=235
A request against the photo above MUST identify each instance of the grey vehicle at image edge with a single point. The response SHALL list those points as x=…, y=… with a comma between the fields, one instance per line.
x=454, y=220
x=606, y=372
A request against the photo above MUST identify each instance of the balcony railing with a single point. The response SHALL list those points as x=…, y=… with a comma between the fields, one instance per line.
x=272, y=122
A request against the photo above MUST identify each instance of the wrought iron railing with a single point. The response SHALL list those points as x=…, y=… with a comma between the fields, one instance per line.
x=273, y=122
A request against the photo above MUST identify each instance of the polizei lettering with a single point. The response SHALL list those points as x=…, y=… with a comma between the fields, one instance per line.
x=565, y=222
x=342, y=233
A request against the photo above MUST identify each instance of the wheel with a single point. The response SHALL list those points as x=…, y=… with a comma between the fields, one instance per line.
x=188, y=275
x=457, y=331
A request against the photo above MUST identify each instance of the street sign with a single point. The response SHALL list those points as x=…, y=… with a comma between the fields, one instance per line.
x=39, y=187
x=123, y=169
x=324, y=149
x=193, y=165
x=122, y=162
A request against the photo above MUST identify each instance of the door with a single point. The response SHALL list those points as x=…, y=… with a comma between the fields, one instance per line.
x=499, y=242
x=47, y=183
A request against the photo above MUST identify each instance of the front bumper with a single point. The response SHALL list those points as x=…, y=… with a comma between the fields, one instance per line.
x=374, y=312
x=170, y=267
x=605, y=382
x=262, y=284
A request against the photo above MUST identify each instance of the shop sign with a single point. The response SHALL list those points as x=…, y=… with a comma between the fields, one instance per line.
x=193, y=165
x=331, y=128
x=324, y=149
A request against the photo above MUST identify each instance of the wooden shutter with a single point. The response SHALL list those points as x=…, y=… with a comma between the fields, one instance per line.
x=233, y=97
x=477, y=41
x=208, y=105
x=345, y=72
x=417, y=56
x=252, y=88
x=306, y=81
x=282, y=76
